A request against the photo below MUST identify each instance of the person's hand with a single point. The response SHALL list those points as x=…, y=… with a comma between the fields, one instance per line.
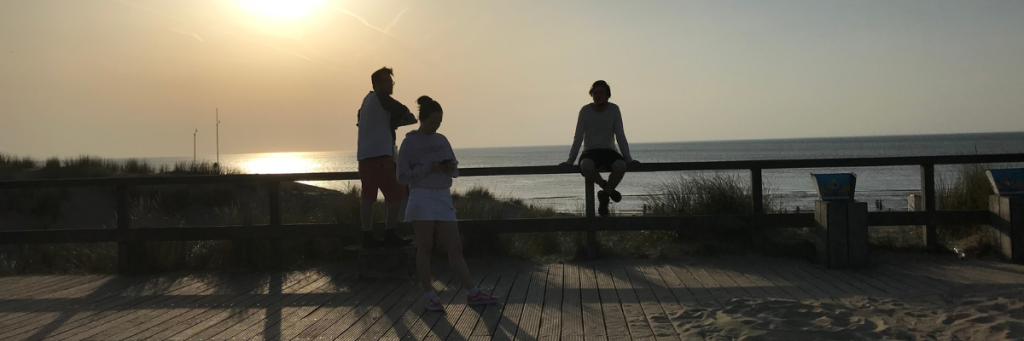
x=436, y=167
x=448, y=168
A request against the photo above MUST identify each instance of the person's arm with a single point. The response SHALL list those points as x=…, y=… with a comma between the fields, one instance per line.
x=577, y=139
x=620, y=137
x=409, y=168
x=398, y=112
x=454, y=173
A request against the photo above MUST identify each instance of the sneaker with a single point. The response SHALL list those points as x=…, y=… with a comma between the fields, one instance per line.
x=615, y=195
x=370, y=242
x=480, y=298
x=393, y=240
x=602, y=199
x=432, y=303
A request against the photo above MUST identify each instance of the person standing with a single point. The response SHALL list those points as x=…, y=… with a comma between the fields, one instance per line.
x=598, y=128
x=427, y=164
x=378, y=117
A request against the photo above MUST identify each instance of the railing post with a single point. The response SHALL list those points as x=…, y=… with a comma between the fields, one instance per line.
x=591, y=232
x=274, y=209
x=129, y=254
x=931, y=240
x=756, y=194
x=274, y=203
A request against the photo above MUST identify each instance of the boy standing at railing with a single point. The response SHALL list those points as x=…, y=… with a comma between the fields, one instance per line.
x=378, y=118
x=598, y=128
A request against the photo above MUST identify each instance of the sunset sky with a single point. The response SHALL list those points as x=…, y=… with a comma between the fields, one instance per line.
x=135, y=78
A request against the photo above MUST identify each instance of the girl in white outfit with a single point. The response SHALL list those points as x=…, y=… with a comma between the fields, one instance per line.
x=427, y=164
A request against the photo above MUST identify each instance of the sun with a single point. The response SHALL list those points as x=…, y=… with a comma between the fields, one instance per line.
x=282, y=9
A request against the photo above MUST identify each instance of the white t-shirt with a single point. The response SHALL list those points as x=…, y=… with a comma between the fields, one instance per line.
x=374, y=130
x=599, y=130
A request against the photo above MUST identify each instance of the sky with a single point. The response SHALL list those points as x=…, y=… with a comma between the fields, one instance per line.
x=134, y=78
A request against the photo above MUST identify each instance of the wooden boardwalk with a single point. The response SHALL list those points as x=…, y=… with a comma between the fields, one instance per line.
x=601, y=300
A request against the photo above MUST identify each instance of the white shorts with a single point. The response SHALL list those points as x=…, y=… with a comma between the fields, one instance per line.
x=430, y=204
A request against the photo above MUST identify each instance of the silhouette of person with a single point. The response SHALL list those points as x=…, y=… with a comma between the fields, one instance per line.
x=598, y=128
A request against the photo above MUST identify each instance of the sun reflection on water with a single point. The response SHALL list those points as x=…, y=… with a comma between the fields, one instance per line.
x=280, y=163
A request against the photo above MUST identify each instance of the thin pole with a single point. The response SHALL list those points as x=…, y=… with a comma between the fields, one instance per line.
x=218, y=135
x=194, y=146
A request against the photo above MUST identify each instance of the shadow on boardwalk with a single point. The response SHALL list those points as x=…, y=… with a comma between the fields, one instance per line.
x=904, y=296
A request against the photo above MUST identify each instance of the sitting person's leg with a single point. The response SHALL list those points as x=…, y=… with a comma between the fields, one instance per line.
x=618, y=171
x=590, y=172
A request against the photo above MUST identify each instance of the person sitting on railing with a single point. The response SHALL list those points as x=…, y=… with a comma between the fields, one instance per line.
x=378, y=118
x=427, y=164
x=598, y=128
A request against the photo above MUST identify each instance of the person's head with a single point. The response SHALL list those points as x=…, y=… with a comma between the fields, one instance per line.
x=600, y=92
x=430, y=114
x=382, y=82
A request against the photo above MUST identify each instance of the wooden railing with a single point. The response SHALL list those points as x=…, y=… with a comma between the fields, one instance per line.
x=127, y=237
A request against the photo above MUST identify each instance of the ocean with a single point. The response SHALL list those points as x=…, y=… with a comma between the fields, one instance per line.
x=792, y=187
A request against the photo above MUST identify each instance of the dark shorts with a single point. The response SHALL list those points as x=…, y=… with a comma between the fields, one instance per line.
x=603, y=158
x=378, y=174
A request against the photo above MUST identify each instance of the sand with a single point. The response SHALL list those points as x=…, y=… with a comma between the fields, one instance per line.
x=973, y=313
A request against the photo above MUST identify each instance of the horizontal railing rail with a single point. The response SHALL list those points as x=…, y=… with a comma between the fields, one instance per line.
x=129, y=238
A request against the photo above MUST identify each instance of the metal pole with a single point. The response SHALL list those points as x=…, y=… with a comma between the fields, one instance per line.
x=194, y=146
x=218, y=136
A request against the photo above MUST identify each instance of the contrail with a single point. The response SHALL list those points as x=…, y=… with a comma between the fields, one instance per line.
x=395, y=21
x=187, y=33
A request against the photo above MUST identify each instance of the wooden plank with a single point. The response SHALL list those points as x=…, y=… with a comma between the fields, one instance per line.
x=751, y=278
x=461, y=323
x=768, y=273
x=14, y=309
x=89, y=320
x=679, y=290
x=636, y=320
x=34, y=314
x=532, y=170
x=700, y=293
x=551, y=313
x=845, y=289
x=915, y=278
x=657, y=318
x=344, y=298
x=208, y=322
x=342, y=284
x=512, y=313
x=407, y=290
x=786, y=272
x=492, y=313
x=572, y=305
x=677, y=315
x=268, y=314
x=341, y=319
x=402, y=324
x=611, y=308
x=448, y=297
x=800, y=270
x=590, y=300
x=533, y=305
x=709, y=283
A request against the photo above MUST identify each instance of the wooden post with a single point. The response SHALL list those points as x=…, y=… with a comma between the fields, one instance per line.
x=591, y=233
x=842, y=233
x=931, y=240
x=1008, y=227
x=129, y=254
x=274, y=209
x=756, y=195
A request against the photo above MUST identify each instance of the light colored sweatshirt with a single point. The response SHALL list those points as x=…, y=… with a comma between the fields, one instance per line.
x=417, y=152
x=599, y=130
x=374, y=129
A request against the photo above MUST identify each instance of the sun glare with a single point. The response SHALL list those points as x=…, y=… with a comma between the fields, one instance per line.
x=278, y=163
x=282, y=9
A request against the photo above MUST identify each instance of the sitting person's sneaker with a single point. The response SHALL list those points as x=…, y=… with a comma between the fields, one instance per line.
x=602, y=207
x=393, y=240
x=370, y=241
x=615, y=195
x=480, y=298
x=432, y=303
